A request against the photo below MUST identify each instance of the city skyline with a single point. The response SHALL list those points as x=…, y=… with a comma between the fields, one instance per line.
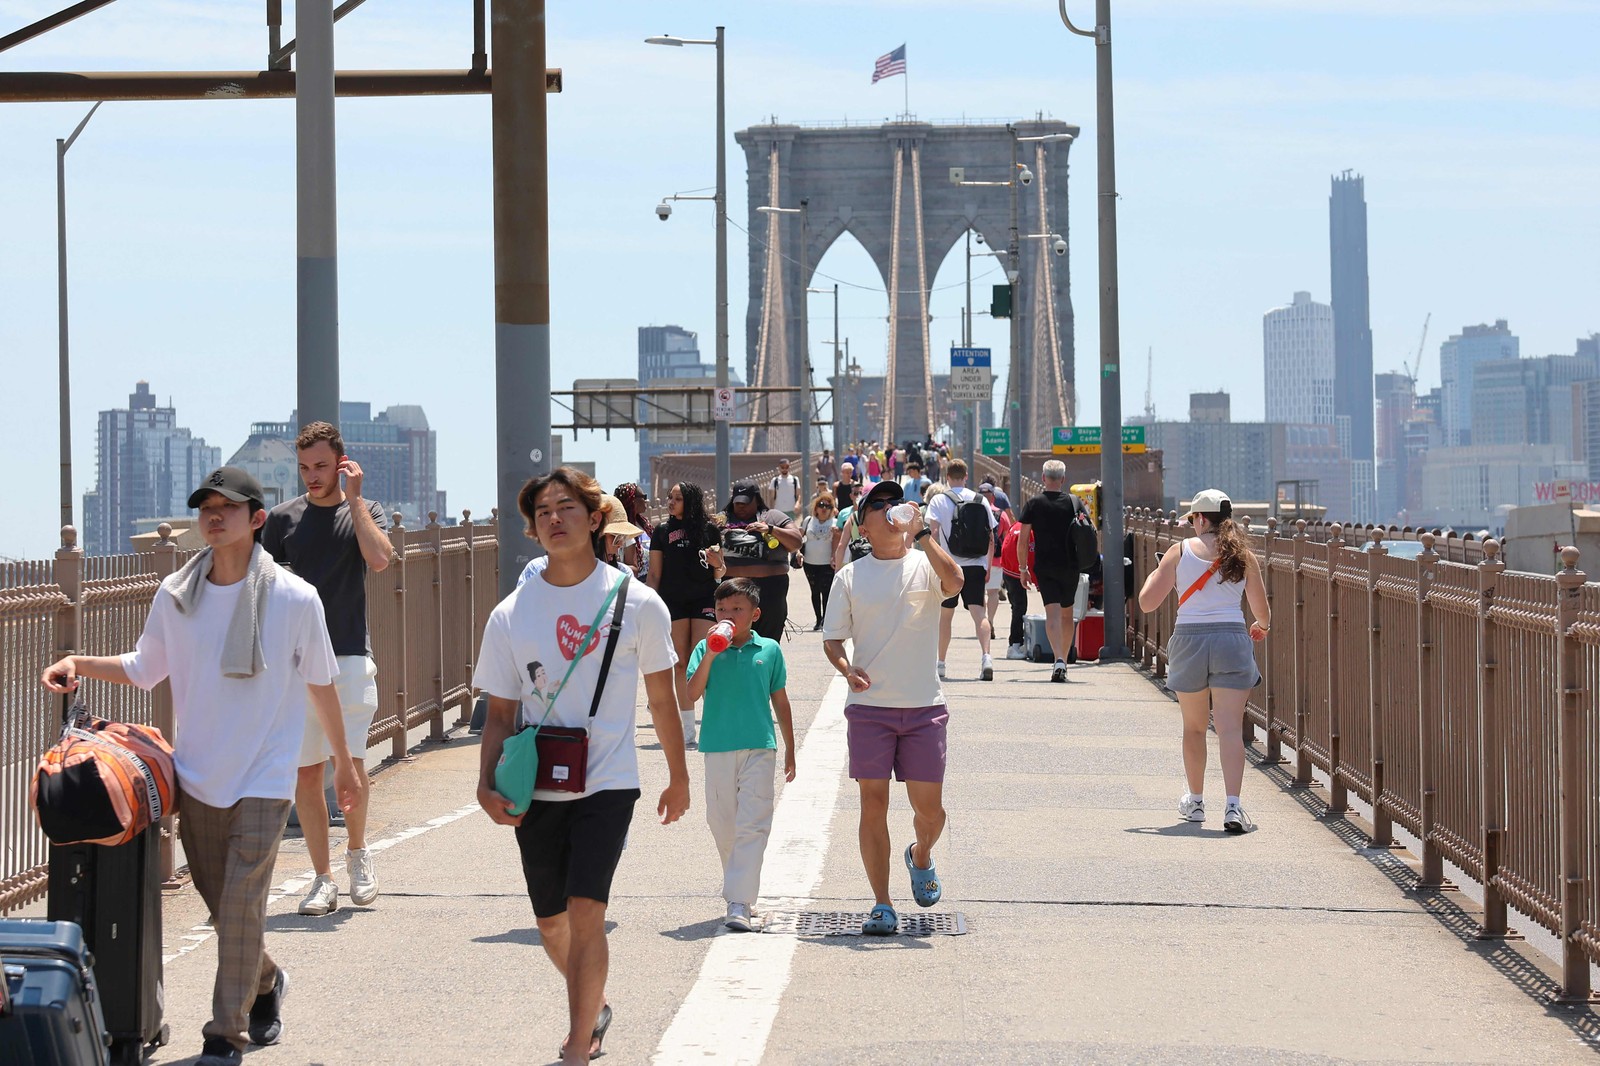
x=1224, y=152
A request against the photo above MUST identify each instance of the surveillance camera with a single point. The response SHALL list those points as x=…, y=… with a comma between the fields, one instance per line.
x=1026, y=176
x=663, y=210
x=1060, y=246
x=978, y=237
x=1013, y=275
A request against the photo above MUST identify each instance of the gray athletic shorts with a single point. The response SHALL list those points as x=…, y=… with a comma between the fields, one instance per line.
x=1211, y=655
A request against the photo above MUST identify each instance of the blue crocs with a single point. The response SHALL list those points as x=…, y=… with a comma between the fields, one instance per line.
x=924, y=883
x=882, y=922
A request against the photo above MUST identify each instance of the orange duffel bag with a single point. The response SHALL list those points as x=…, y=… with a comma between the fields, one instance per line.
x=104, y=782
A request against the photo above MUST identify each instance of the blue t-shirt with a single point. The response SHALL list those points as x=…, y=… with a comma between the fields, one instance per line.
x=737, y=713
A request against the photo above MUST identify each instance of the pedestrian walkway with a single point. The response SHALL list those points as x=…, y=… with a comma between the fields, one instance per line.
x=1100, y=929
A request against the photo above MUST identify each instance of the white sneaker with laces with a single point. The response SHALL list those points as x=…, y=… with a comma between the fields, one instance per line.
x=1193, y=810
x=986, y=669
x=363, y=880
x=1058, y=673
x=323, y=897
x=941, y=670
x=1016, y=651
x=1234, y=820
x=738, y=918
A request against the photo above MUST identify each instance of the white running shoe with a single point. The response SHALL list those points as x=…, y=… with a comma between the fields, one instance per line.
x=363, y=880
x=1192, y=810
x=738, y=918
x=986, y=671
x=1058, y=673
x=323, y=897
x=1234, y=820
x=941, y=670
x=690, y=738
x=1016, y=651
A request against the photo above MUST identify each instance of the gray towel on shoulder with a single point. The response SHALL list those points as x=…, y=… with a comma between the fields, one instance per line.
x=241, y=648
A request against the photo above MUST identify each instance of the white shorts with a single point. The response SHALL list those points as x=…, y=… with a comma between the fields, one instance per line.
x=357, y=685
x=996, y=578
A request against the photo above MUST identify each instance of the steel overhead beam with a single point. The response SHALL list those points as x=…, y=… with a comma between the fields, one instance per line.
x=50, y=22
x=282, y=55
x=52, y=87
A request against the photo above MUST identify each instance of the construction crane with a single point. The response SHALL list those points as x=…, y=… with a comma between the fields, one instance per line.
x=1149, y=377
x=1415, y=365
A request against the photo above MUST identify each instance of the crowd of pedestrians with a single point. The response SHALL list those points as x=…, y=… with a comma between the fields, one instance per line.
x=264, y=637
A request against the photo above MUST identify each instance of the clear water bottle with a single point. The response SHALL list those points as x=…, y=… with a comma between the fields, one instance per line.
x=720, y=637
x=901, y=515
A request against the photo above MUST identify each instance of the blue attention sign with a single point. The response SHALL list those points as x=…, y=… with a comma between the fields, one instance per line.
x=968, y=357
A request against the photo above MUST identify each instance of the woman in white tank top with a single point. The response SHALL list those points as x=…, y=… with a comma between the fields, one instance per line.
x=1210, y=662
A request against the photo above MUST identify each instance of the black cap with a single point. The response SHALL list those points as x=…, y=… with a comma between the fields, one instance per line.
x=745, y=492
x=884, y=490
x=237, y=485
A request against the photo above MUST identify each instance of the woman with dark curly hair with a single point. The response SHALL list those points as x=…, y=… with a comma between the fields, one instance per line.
x=637, y=554
x=685, y=564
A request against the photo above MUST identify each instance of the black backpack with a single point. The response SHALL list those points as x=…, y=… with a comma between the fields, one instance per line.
x=1085, y=545
x=969, y=530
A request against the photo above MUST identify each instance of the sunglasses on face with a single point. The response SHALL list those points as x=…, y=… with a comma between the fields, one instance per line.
x=824, y=506
x=879, y=505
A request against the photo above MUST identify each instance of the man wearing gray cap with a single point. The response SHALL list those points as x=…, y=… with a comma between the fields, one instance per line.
x=242, y=641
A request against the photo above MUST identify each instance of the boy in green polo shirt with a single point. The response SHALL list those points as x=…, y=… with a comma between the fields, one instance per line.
x=743, y=686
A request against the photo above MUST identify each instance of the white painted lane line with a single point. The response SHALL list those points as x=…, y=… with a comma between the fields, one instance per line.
x=201, y=933
x=728, y=1014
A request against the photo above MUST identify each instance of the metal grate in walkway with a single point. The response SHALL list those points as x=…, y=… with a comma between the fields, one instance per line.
x=847, y=923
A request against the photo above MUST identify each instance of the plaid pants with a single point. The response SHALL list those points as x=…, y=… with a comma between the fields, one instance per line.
x=231, y=852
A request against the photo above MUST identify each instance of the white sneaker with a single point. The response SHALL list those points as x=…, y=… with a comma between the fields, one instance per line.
x=986, y=669
x=323, y=897
x=363, y=881
x=738, y=918
x=1016, y=651
x=1058, y=673
x=1193, y=810
x=690, y=739
x=941, y=670
x=1234, y=820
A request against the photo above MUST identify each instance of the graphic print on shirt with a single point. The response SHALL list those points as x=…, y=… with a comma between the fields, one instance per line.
x=570, y=633
x=544, y=692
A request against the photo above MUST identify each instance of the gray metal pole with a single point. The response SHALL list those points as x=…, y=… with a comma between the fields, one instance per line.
x=724, y=466
x=521, y=269
x=1111, y=492
x=805, y=365
x=834, y=403
x=317, y=246
x=63, y=372
x=1014, y=378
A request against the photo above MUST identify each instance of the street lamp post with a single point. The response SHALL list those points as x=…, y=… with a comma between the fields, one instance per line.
x=805, y=343
x=63, y=368
x=724, y=473
x=834, y=403
x=1111, y=490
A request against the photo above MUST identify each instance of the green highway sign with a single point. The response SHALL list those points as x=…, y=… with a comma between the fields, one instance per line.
x=996, y=441
x=1085, y=440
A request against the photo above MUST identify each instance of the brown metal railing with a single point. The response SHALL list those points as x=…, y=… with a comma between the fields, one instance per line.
x=1456, y=699
x=425, y=614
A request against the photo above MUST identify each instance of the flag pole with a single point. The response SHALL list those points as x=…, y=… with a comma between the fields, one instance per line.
x=906, y=74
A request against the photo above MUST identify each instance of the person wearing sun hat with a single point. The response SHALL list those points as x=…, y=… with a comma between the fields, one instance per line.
x=1210, y=662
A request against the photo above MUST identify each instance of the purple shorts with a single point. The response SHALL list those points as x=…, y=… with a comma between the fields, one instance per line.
x=907, y=740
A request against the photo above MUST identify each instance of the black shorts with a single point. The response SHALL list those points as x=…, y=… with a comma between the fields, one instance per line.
x=1057, y=587
x=974, y=580
x=699, y=608
x=571, y=848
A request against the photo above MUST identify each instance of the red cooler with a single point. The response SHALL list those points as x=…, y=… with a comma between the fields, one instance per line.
x=1091, y=635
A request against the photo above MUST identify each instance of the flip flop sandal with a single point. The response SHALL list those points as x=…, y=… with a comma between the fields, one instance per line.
x=882, y=922
x=598, y=1037
x=924, y=882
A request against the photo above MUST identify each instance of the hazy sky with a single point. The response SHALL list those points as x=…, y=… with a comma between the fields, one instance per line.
x=1476, y=124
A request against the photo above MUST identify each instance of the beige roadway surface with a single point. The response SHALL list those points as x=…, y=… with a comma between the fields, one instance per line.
x=1101, y=929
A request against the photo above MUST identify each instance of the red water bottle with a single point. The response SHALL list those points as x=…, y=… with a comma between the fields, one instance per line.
x=720, y=637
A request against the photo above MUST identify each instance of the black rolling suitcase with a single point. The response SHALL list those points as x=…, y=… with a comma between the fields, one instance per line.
x=52, y=1005
x=114, y=893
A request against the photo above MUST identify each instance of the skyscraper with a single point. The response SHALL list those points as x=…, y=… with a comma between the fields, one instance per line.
x=1458, y=359
x=146, y=467
x=1297, y=346
x=670, y=356
x=1352, y=323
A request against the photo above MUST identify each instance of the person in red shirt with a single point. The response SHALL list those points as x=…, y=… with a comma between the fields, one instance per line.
x=996, y=570
x=1016, y=593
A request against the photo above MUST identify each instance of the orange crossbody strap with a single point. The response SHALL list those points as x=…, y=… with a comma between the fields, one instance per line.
x=1200, y=584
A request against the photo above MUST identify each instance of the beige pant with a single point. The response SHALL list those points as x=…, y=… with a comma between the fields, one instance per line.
x=230, y=852
x=739, y=790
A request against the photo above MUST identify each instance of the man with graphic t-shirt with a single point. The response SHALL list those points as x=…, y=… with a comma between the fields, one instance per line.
x=1048, y=518
x=537, y=664
x=887, y=605
x=331, y=537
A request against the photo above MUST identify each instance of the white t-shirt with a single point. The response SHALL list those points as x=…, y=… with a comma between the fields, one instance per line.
x=529, y=642
x=942, y=509
x=889, y=610
x=818, y=545
x=785, y=492
x=236, y=737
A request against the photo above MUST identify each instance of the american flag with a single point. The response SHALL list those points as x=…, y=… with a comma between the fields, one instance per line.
x=889, y=65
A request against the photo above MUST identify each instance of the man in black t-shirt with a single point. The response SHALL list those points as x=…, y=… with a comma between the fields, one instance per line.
x=331, y=536
x=1049, y=517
